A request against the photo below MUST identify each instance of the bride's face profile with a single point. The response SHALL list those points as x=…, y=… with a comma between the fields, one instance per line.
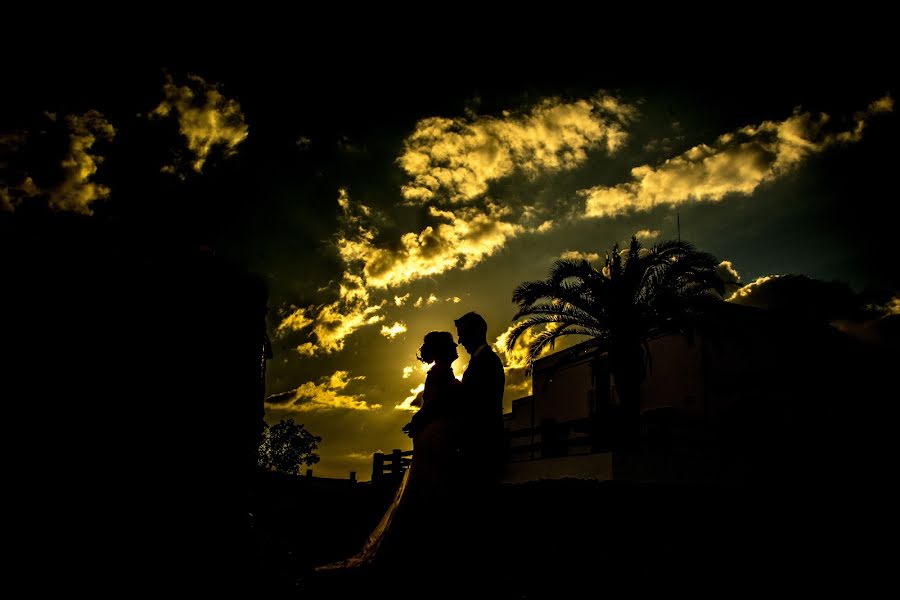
x=438, y=349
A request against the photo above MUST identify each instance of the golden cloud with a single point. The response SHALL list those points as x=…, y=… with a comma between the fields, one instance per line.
x=891, y=307
x=296, y=321
x=545, y=226
x=361, y=456
x=401, y=300
x=459, y=239
x=576, y=255
x=407, y=372
x=552, y=136
x=332, y=323
x=459, y=157
x=206, y=118
x=515, y=361
x=77, y=192
x=414, y=400
x=751, y=287
x=736, y=163
x=518, y=380
x=647, y=234
x=394, y=330
x=727, y=273
x=729, y=276
x=326, y=394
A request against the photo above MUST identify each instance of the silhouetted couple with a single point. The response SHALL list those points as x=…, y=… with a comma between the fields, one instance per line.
x=458, y=432
x=442, y=517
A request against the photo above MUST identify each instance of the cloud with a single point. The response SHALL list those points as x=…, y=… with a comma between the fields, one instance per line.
x=407, y=372
x=326, y=394
x=401, y=300
x=458, y=239
x=553, y=135
x=11, y=142
x=296, y=321
x=736, y=163
x=545, y=226
x=77, y=192
x=515, y=361
x=206, y=118
x=890, y=308
x=750, y=289
x=454, y=299
x=457, y=158
x=12, y=196
x=729, y=276
x=647, y=234
x=346, y=145
x=802, y=297
x=394, y=330
x=366, y=456
x=332, y=323
x=414, y=400
x=518, y=380
x=576, y=255
x=727, y=272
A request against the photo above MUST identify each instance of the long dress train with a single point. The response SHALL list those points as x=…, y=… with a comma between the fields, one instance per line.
x=366, y=556
x=417, y=517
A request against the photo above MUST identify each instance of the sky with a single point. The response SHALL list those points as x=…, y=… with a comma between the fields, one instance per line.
x=382, y=195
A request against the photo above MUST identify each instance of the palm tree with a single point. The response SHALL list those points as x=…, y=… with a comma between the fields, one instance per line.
x=634, y=297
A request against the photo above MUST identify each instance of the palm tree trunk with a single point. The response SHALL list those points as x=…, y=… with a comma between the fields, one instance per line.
x=629, y=390
x=628, y=371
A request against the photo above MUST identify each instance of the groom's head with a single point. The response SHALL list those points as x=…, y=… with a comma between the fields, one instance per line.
x=472, y=331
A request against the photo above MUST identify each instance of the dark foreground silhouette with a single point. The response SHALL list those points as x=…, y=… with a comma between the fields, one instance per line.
x=132, y=385
x=569, y=536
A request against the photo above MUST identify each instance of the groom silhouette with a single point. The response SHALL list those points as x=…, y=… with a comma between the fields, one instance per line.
x=482, y=438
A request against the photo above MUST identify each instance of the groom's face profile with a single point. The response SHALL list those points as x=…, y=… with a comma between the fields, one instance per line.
x=465, y=339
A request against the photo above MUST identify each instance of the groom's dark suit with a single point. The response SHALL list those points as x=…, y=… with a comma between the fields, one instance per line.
x=482, y=413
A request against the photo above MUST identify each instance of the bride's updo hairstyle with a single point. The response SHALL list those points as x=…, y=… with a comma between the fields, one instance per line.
x=438, y=345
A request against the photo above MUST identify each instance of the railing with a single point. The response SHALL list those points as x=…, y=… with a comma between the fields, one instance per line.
x=547, y=440
x=552, y=440
x=390, y=467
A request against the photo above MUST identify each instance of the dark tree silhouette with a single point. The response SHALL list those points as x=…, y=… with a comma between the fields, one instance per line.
x=637, y=295
x=285, y=445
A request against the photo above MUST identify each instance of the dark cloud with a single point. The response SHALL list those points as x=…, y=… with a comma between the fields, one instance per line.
x=801, y=297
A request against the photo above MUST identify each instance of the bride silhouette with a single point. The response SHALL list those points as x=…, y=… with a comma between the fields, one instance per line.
x=417, y=526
